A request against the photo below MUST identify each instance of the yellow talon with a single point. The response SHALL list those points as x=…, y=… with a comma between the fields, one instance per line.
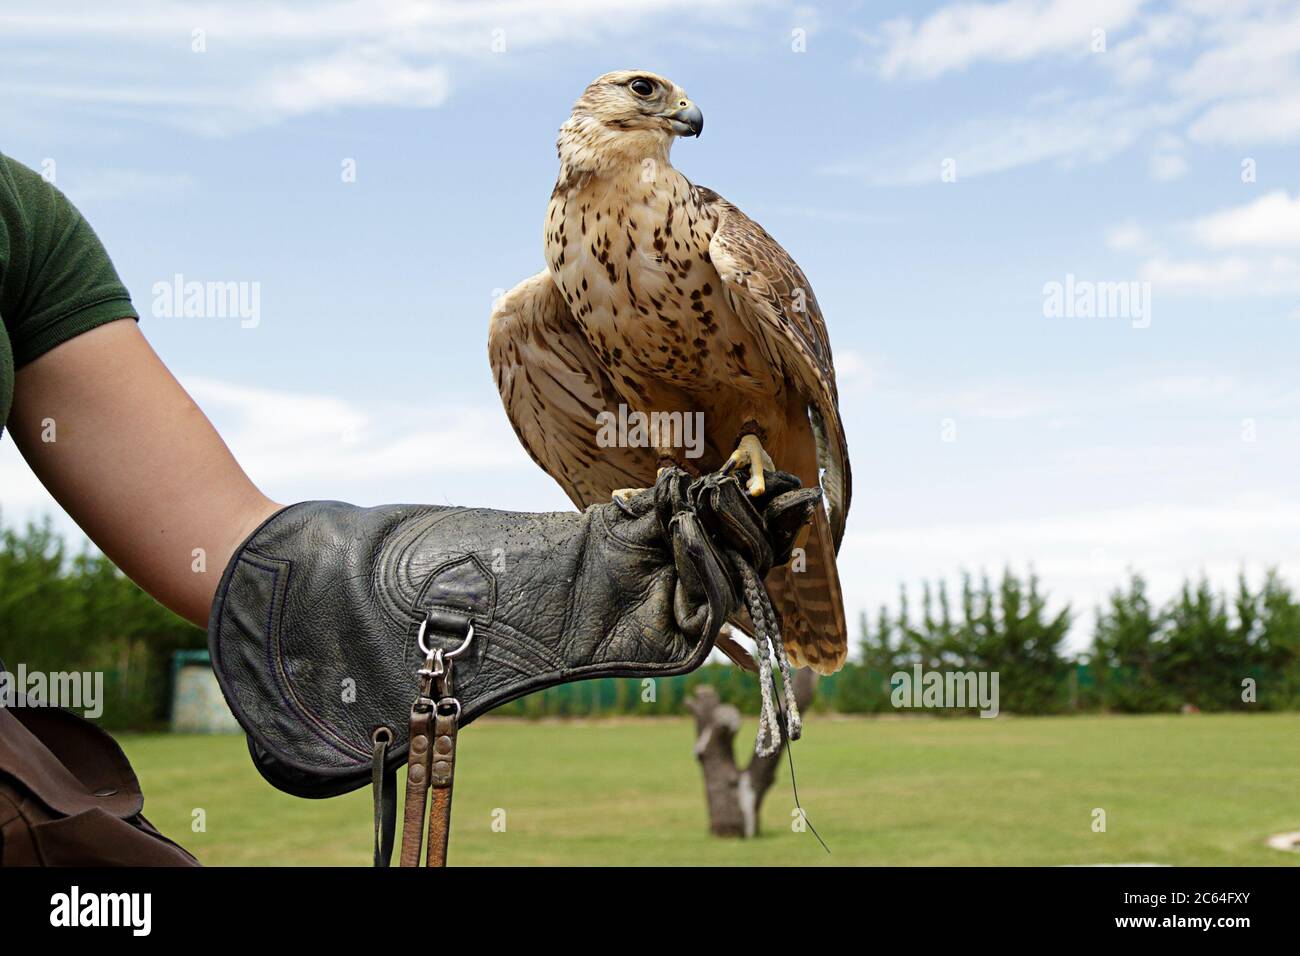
x=750, y=453
x=627, y=494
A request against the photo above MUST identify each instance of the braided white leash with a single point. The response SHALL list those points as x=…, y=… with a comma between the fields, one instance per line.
x=767, y=637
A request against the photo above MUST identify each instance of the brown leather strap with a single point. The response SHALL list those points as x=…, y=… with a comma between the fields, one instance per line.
x=431, y=761
x=441, y=778
x=417, y=785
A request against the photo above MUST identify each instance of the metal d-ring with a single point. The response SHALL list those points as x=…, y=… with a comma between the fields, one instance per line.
x=447, y=655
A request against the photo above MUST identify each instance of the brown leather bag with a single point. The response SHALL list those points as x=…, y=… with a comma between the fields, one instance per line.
x=68, y=796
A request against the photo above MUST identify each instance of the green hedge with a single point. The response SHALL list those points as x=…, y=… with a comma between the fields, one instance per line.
x=62, y=612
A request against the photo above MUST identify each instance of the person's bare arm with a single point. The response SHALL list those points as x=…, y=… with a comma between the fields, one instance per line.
x=136, y=464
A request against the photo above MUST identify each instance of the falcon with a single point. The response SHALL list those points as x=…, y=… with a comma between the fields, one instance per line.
x=662, y=300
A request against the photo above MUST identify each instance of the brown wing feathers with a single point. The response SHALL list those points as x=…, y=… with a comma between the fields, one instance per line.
x=553, y=388
x=769, y=290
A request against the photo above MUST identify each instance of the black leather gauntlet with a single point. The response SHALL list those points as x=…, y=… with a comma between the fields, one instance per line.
x=317, y=625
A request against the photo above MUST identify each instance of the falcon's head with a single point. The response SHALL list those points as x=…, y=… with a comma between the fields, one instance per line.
x=627, y=116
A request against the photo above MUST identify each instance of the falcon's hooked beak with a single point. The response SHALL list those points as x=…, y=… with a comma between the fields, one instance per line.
x=687, y=121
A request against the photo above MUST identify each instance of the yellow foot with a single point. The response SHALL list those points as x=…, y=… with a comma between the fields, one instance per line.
x=749, y=453
x=626, y=494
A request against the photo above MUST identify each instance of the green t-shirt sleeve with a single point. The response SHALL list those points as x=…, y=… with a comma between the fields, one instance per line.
x=56, y=280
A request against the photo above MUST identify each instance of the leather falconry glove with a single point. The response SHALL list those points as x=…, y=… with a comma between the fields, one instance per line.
x=331, y=619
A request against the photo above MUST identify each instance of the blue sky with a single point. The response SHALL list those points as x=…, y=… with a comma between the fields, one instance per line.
x=1115, y=142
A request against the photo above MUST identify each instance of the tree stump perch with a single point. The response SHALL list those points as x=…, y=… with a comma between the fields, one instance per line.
x=735, y=796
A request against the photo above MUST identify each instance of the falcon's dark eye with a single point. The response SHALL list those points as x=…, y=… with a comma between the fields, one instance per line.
x=641, y=87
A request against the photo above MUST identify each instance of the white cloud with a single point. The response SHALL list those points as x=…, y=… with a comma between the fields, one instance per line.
x=1079, y=132
x=266, y=62
x=1238, y=85
x=956, y=36
x=1252, y=50
x=1255, y=239
x=1129, y=237
x=285, y=437
x=1167, y=161
x=1135, y=60
x=1234, y=269
x=1265, y=119
x=1272, y=220
x=1228, y=275
x=1246, y=82
x=1166, y=167
x=1261, y=232
x=430, y=26
x=366, y=77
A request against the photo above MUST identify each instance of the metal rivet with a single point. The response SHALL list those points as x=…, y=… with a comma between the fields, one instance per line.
x=416, y=772
x=443, y=746
x=419, y=744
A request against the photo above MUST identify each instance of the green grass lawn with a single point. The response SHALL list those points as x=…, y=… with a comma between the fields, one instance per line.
x=1179, y=790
